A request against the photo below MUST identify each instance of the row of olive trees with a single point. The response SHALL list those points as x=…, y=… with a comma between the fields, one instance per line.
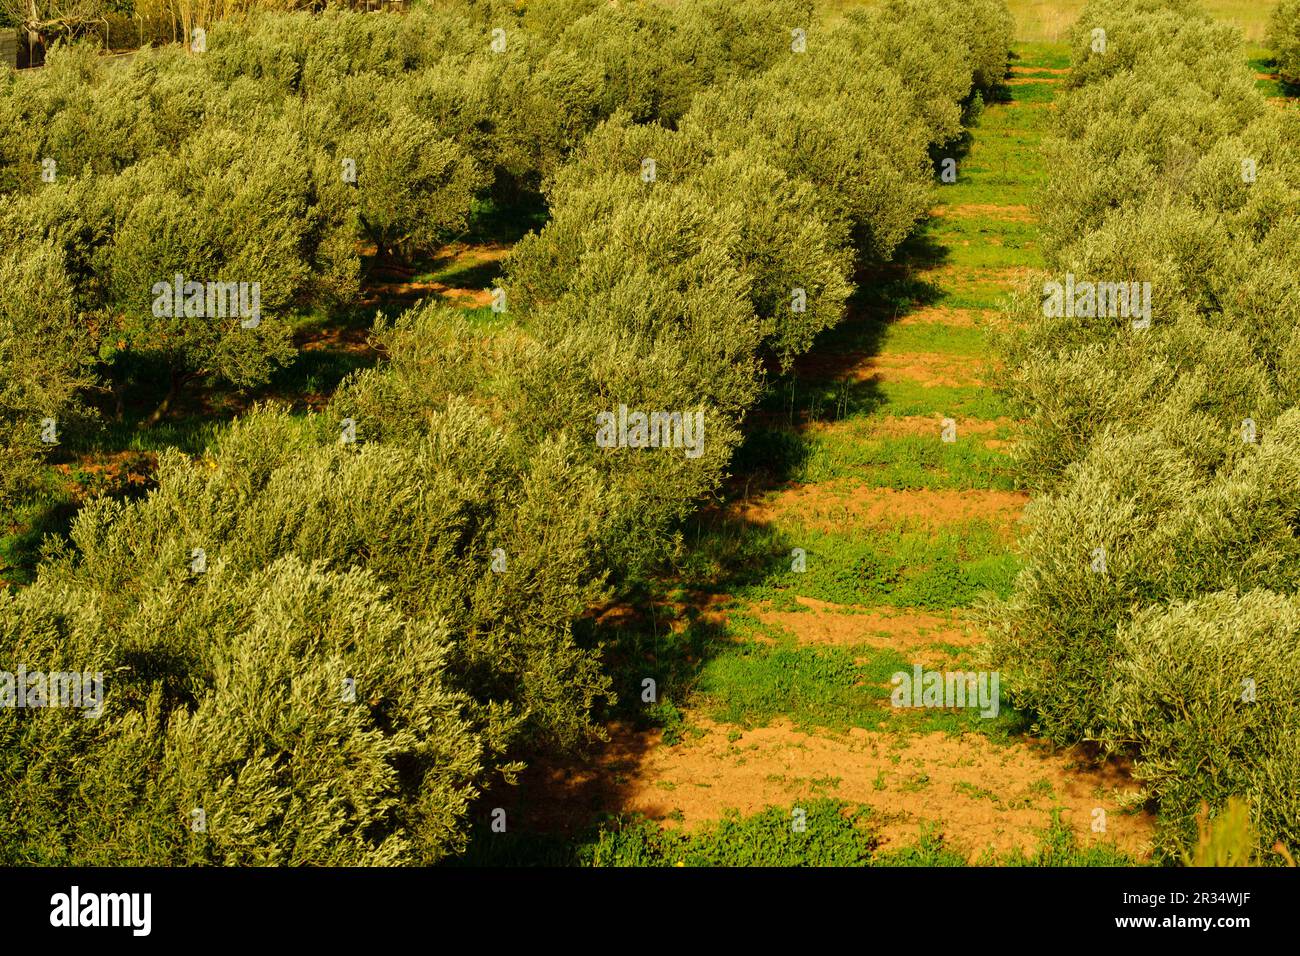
x=1284, y=38
x=291, y=141
x=328, y=637
x=392, y=569
x=1157, y=611
x=129, y=24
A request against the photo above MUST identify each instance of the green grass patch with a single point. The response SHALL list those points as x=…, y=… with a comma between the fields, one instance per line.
x=484, y=316
x=48, y=510
x=942, y=569
x=1034, y=92
x=1053, y=56
x=1004, y=166
x=975, y=292
x=947, y=569
x=985, y=241
x=470, y=272
x=935, y=337
x=816, y=832
x=754, y=684
x=834, y=689
x=903, y=398
x=906, y=463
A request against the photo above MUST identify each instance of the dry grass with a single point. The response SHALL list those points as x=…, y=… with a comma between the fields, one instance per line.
x=1047, y=20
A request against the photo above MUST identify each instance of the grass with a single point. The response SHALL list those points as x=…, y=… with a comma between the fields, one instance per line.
x=905, y=398
x=816, y=832
x=813, y=688
x=909, y=462
x=47, y=511
x=1262, y=62
x=976, y=242
x=838, y=395
x=934, y=571
x=833, y=689
x=1048, y=20
x=834, y=422
x=891, y=566
x=746, y=672
x=820, y=832
x=940, y=339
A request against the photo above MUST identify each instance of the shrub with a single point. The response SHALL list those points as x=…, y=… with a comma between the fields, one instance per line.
x=414, y=189
x=423, y=517
x=929, y=55
x=656, y=317
x=233, y=702
x=44, y=359
x=1151, y=37
x=1128, y=140
x=474, y=518
x=1284, y=38
x=1207, y=691
x=213, y=213
x=985, y=29
x=867, y=162
x=1162, y=502
x=1139, y=501
x=778, y=246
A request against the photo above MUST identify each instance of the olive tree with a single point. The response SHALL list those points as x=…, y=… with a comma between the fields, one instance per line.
x=45, y=359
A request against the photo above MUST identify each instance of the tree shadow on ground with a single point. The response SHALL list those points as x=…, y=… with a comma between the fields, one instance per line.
x=826, y=382
x=666, y=632
x=20, y=542
x=561, y=800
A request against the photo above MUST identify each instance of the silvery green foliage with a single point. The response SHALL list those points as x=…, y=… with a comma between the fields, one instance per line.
x=1284, y=38
x=376, y=560
x=654, y=58
x=214, y=210
x=1075, y=377
x=175, y=163
x=1145, y=502
x=1148, y=37
x=867, y=161
x=1134, y=437
x=421, y=517
x=1182, y=700
x=933, y=63
x=91, y=117
x=44, y=358
x=226, y=694
x=761, y=218
x=415, y=188
x=982, y=29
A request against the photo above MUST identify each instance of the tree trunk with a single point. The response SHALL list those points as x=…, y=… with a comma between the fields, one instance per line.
x=381, y=250
x=178, y=382
x=33, y=38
